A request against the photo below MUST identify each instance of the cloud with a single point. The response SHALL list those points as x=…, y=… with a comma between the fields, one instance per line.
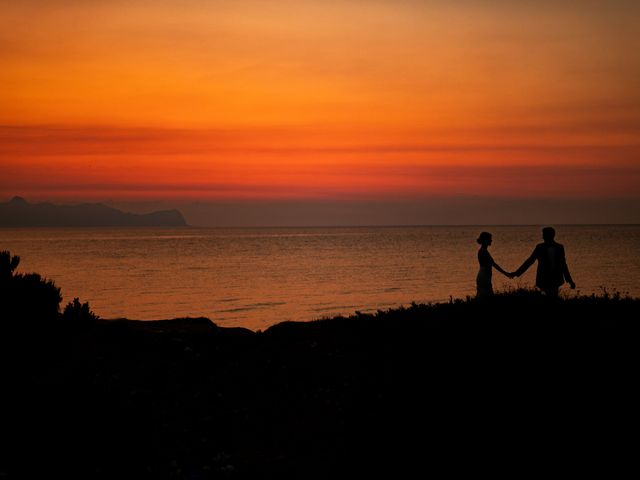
x=44, y=140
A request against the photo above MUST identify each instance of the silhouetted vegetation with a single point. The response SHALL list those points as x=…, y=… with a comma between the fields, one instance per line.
x=27, y=299
x=516, y=383
x=8, y=264
x=78, y=313
x=26, y=296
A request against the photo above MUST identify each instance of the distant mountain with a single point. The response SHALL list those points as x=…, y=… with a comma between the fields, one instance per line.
x=19, y=213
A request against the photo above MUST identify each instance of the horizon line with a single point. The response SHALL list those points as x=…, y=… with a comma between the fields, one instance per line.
x=412, y=225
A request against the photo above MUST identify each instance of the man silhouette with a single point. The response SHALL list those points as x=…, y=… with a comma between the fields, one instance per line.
x=552, y=264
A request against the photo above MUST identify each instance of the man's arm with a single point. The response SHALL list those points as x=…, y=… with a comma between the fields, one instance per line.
x=527, y=263
x=565, y=270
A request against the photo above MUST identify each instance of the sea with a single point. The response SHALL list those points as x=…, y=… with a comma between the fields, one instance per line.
x=257, y=277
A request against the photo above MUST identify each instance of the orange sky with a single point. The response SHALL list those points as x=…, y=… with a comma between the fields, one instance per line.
x=298, y=99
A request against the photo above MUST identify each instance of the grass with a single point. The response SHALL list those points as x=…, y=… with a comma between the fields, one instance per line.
x=517, y=384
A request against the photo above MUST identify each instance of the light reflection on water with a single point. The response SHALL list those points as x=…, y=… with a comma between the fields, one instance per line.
x=258, y=277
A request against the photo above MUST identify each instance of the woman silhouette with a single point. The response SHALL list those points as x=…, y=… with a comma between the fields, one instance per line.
x=483, y=280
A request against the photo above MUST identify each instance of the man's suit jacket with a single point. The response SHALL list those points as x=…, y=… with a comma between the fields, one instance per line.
x=552, y=265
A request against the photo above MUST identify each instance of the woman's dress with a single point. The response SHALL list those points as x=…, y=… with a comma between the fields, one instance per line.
x=483, y=280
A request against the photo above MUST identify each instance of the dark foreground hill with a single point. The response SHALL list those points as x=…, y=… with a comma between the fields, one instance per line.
x=19, y=213
x=511, y=387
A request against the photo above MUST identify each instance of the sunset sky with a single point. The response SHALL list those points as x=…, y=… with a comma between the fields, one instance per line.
x=269, y=107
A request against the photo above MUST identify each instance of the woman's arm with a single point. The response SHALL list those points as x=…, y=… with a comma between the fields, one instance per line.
x=498, y=267
x=502, y=271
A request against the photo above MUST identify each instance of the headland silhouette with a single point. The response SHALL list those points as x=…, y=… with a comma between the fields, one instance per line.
x=20, y=213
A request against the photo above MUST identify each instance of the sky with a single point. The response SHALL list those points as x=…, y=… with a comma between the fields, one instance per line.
x=325, y=112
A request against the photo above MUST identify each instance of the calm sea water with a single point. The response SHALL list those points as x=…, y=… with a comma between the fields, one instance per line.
x=255, y=278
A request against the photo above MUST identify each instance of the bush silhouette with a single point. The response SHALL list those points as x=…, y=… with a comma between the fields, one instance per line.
x=26, y=296
x=7, y=265
x=76, y=312
x=36, y=299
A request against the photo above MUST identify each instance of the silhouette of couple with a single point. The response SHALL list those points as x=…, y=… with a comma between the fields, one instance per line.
x=552, y=265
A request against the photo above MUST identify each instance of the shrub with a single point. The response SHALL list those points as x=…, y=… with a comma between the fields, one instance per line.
x=26, y=296
x=77, y=312
x=7, y=265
